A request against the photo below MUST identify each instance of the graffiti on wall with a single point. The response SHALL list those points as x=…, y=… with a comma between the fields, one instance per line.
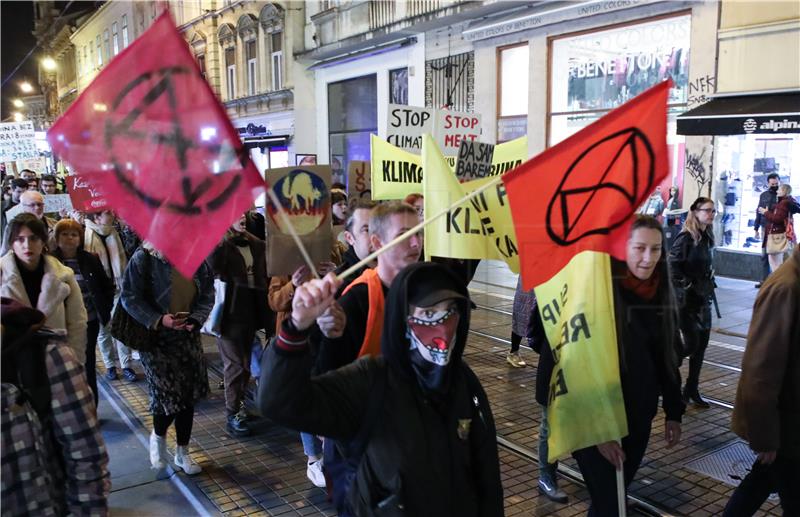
x=697, y=170
x=700, y=89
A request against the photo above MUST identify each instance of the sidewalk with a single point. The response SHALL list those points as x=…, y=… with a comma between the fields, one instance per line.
x=136, y=489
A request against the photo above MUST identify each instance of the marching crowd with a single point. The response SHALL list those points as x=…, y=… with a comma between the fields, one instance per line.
x=369, y=369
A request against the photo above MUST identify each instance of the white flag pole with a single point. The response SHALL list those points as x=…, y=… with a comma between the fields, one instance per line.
x=428, y=220
x=621, y=504
x=288, y=224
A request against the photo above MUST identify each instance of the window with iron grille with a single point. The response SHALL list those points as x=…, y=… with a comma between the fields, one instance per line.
x=450, y=82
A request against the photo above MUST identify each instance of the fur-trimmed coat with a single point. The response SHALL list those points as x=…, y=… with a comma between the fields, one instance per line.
x=60, y=299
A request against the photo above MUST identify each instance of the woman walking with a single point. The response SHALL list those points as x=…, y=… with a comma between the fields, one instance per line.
x=523, y=306
x=35, y=279
x=691, y=265
x=776, y=229
x=175, y=307
x=96, y=288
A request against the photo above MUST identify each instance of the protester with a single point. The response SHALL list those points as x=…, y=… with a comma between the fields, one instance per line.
x=240, y=261
x=103, y=240
x=17, y=187
x=766, y=200
x=339, y=207
x=256, y=224
x=523, y=301
x=174, y=307
x=428, y=440
x=35, y=279
x=48, y=184
x=97, y=289
x=54, y=460
x=33, y=203
x=646, y=332
x=418, y=202
x=692, y=268
x=776, y=228
x=356, y=233
x=767, y=408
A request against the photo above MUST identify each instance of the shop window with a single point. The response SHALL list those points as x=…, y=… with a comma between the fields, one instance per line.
x=352, y=117
x=230, y=67
x=99, y=51
x=124, y=30
x=512, y=113
x=115, y=37
x=744, y=162
x=276, y=40
x=398, y=86
x=252, y=70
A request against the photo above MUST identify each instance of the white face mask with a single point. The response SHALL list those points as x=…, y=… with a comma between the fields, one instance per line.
x=434, y=334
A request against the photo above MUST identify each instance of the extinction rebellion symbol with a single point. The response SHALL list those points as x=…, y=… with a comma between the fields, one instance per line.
x=750, y=125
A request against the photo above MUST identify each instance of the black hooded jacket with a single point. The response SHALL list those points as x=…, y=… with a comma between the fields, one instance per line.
x=424, y=455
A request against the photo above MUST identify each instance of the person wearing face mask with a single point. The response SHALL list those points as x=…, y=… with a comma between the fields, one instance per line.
x=766, y=201
x=427, y=435
x=646, y=325
x=691, y=262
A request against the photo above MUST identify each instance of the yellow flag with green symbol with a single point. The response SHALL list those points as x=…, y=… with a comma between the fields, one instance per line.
x=585, y=405
x=480, y=228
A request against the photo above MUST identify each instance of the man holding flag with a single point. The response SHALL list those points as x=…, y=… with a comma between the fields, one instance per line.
x=610, y=340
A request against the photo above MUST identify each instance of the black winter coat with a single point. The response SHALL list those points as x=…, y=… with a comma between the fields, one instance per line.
x=692, y=268
x=425, y=455
x=101, y=287
x=246, y=308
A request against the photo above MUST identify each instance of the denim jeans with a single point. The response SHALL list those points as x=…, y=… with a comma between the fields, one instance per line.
x=312, y=446
x=108, y=345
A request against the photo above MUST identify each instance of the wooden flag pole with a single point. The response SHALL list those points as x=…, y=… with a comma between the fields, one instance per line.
x=386, y=247
x=288, y=224
x=621, y=504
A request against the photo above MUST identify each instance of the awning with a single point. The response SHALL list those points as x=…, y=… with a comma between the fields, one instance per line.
x=744, y=114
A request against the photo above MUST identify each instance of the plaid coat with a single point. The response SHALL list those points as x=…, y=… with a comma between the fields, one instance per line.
x=57, y=468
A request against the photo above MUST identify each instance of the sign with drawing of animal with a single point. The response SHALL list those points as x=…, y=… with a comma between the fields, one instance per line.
x=304, y=194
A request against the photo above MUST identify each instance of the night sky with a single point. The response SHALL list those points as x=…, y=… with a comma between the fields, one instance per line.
x=16, y=40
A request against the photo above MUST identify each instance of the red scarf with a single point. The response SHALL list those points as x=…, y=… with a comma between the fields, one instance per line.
x=644, y=289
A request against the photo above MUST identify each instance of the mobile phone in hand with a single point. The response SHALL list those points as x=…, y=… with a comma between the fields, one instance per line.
x=181, y=315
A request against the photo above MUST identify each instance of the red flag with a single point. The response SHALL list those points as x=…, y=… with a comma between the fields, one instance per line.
x=580, y=194
x=150, y=134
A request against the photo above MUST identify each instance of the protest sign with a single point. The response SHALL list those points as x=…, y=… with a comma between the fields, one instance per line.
x=304, y=194
x=481, y=228
x=585, y=405
x=17, y=141
x=453, y=127
x=359, y=184
x=55, y=203
x=85, y=196
x=13, y=211
x=407, y=124
x=474, y=160
x=397, y=173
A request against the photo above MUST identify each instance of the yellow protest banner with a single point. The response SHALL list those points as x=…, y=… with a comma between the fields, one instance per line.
x=397, y=173
x=585, y=405
x=478, y=229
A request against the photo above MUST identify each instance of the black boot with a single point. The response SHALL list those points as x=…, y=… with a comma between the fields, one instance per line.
x=548, y=486
x=693, y=395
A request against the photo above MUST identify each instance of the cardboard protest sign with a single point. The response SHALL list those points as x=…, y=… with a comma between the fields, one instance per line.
x=453, y=127
x=304, y=193
x=85, y=196
x=397, y=173
x=407, y=124
x=359, y=184
x=54, y=203
x=474, y=160
x=577, y=308
x=17, y=141
x=13, y=211
x=481, y=228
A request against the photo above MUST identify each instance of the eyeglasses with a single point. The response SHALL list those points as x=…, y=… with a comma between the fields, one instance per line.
x=710, y=210
x=33, y=205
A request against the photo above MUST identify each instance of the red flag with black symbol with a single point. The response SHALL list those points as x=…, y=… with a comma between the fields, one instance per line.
x=580, y=194
x=151, y=135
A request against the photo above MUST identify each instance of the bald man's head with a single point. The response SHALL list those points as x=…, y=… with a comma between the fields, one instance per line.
x=33, y=203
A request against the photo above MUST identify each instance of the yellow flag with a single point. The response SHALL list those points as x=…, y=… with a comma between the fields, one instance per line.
x=585, y=405
x=477, y=229
x=397, y=173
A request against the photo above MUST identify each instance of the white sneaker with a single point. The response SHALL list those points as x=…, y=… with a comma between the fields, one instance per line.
x=158, y=451
x=515, y=360
x=185, y=462
x=314, y=473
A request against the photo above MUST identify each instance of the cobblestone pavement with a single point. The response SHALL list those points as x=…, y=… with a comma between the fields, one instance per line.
x=265, y=474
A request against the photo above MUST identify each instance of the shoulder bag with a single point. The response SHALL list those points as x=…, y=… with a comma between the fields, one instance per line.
x=127, y=329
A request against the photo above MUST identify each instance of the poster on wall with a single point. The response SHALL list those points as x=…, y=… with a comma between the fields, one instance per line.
x=17, y=141
x=304, y=193
x=359, y=181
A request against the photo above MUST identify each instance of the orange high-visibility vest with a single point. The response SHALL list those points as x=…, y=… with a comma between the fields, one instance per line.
x=372, y=336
